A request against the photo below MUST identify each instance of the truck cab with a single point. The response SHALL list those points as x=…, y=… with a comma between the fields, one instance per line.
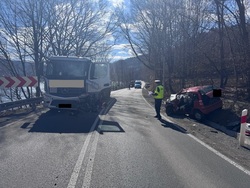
x=75, y=83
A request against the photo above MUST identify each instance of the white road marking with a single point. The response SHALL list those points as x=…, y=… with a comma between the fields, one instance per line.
x=207, y=146
x=89, y=169
x=78, y=165
x=221, y=155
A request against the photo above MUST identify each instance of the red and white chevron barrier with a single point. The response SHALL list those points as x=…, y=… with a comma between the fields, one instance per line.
x=18, y=81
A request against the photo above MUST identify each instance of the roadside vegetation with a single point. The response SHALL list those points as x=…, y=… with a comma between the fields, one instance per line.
x=192, y=42
x=189, y=43
x=182, y=42
x=33, y=30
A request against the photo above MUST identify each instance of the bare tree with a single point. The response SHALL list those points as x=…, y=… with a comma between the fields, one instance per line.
x=24, y=25
x=36, y=29
x=233, y=40
x=244, y=35
x=152, y=30
x=8, y=68
x=80, y=28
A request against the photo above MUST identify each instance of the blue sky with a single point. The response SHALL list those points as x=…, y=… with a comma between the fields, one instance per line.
x=122, y=49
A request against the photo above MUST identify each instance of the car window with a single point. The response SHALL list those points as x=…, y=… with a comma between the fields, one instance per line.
x=195, y=96
x=207, y=89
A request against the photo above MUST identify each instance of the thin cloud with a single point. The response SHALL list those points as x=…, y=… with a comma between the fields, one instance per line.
x=116, y=3
x=120, y=46
x=120, y=52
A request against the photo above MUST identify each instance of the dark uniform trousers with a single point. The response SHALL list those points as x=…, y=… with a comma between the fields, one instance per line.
x=158, y=107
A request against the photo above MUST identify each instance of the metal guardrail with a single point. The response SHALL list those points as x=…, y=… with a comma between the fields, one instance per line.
x=32, y=102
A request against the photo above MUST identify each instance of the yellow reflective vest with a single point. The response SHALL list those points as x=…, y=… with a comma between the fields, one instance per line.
x=159, y=91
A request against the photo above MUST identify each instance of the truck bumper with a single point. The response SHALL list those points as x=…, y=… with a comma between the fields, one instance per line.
x=64, y=103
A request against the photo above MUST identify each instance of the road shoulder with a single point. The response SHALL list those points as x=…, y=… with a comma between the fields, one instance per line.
x=217, y=139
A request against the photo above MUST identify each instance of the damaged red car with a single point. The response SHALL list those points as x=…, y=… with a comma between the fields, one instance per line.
x=195, y=101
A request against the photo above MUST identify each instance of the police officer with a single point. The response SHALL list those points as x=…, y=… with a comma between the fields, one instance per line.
x=158, y=96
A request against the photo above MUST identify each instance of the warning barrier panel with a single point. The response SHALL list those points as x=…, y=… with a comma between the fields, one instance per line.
x=18, y=81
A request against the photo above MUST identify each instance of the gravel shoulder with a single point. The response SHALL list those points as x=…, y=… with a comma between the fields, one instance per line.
x=215, y=138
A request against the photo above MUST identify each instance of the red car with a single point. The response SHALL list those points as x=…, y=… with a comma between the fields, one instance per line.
x=196, y=101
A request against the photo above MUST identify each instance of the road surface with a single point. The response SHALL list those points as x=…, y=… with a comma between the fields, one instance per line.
x=123, y=146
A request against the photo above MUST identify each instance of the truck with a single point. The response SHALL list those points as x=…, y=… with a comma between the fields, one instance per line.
x=75, y=83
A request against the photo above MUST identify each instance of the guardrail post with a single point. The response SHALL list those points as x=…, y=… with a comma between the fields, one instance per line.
x=243, y=127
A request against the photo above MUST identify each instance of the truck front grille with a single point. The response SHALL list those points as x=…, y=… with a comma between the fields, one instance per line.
x=68, y=92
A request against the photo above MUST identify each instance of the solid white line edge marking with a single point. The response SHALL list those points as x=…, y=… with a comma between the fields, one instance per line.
x=78, y=165
x=207, y=146
x=89, y=168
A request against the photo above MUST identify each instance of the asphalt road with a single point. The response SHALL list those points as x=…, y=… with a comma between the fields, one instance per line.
x=124, y=146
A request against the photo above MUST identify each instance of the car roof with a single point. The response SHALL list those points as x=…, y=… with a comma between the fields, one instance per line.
x=195, y=88
x=192, y=89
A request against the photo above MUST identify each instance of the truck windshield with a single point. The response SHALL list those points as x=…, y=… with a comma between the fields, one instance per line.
x=67, y=69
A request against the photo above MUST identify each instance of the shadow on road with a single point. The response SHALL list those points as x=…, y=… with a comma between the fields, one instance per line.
x=226, y=118
x=173, y=126
x=246, y=147
x=13, y=115
x=63, y=122
x=109, y=105
x=66, y=121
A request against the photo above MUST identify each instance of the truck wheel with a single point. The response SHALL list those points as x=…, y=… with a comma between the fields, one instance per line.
x=198, y=115
x=169, y=110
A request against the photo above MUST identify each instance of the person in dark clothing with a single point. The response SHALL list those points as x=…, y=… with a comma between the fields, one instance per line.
x=158, y=96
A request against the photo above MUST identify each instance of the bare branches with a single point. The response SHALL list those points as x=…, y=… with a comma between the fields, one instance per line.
x=36, y=29
x=76, y=28
x=186, y=39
